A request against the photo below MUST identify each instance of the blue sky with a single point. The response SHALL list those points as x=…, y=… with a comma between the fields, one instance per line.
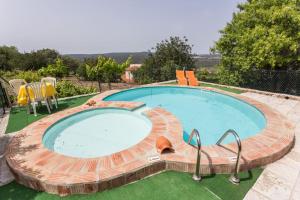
x=101, y=26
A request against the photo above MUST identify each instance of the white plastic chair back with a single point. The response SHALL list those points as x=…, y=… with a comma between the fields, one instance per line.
x=50, y=80
x=37, y=90
x=16, y=84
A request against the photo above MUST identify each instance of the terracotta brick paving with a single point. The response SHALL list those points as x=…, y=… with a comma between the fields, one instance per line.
x=37, y=167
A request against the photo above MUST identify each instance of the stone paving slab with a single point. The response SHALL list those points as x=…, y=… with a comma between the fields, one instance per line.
x=281, y=179
x=5, y=174
x=296, y=190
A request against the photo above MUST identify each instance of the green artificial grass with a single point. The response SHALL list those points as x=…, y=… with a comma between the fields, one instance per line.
x=18, y=118
x=233, y=90
x=167, y=185
x=236, y=91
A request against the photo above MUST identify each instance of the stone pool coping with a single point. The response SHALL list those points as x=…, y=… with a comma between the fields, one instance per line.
x=39, y=168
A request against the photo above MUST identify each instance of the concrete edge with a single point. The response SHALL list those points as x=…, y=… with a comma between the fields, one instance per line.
x=279, y=95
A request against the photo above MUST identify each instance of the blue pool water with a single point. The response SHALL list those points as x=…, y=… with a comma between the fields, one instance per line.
x=96, y=132
x=210, y=112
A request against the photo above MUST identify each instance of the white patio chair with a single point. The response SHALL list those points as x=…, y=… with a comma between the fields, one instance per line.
x=52, y=81
x=49, y=80
x=16, y=84
x=37, y=95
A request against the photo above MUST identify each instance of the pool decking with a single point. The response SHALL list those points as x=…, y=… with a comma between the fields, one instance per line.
x=281, y=179
x=5, y=174
x=37, y=167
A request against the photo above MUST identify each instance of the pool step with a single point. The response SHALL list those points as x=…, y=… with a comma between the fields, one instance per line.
x=142, y=109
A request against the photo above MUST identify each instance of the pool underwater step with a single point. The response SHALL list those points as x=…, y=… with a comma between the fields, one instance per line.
x=141, y=109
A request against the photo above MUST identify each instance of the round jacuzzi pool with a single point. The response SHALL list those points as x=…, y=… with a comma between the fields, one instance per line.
x=96, y=132
x=210, y=112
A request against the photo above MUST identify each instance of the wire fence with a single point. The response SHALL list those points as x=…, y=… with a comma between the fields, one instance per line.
x=287, y=82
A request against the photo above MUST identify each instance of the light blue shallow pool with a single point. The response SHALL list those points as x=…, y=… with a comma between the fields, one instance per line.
x=210, y=112
x=97, y=132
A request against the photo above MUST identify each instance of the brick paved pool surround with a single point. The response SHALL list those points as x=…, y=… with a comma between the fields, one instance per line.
x=35, y=166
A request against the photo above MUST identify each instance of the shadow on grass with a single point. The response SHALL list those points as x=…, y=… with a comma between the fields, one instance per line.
x=248, y=177
x=209, y=176
x=244, y=176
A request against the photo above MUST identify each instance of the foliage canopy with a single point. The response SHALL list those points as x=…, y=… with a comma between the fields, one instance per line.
x=11, y=59
x=106, y=69
x=263, y=34
x=168, y=55
x=58, y=69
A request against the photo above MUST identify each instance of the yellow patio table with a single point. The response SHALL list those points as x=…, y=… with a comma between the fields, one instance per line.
x=47, y=91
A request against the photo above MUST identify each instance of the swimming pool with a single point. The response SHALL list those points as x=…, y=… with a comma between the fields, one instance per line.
x=210, y=112
x=96, y=132
x=133, y=154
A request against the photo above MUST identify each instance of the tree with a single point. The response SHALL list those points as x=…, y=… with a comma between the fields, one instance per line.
x=58, y=69
x=263, y=34
x=81, y=70
x=10, y=58
x=71, y=63
x=38, y=59
x=106, y=69
x=168, y=56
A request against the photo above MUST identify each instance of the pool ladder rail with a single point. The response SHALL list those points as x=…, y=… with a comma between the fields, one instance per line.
x=196, y=176
x=234, y=176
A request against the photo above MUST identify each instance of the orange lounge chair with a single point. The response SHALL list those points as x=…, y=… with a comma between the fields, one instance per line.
x=193, y=81
x=181, y=78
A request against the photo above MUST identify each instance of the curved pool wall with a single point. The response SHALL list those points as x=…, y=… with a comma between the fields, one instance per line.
x=96, y=132
x=210, y=112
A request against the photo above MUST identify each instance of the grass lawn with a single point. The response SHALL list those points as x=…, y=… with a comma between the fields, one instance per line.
x=236, y=91
x=167, y=186
x=19, y=118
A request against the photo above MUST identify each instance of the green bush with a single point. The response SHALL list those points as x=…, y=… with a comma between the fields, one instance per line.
x=202, y=74
x=67, y=89
x=227, y=77
x=141, y=76
x=29, y=76
x=8, y=74
x=205, y=75
x=81, y=72
x=56, y=70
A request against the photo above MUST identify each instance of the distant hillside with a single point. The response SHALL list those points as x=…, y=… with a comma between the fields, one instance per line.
x=207, y=60
x=137, y=57
x=201, y=60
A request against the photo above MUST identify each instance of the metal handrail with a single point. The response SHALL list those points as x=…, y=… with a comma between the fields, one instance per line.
x=234, y=177
x=196, y=176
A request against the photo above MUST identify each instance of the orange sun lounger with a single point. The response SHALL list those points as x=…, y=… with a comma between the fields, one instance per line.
x=193, y=81
x=181, y=78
